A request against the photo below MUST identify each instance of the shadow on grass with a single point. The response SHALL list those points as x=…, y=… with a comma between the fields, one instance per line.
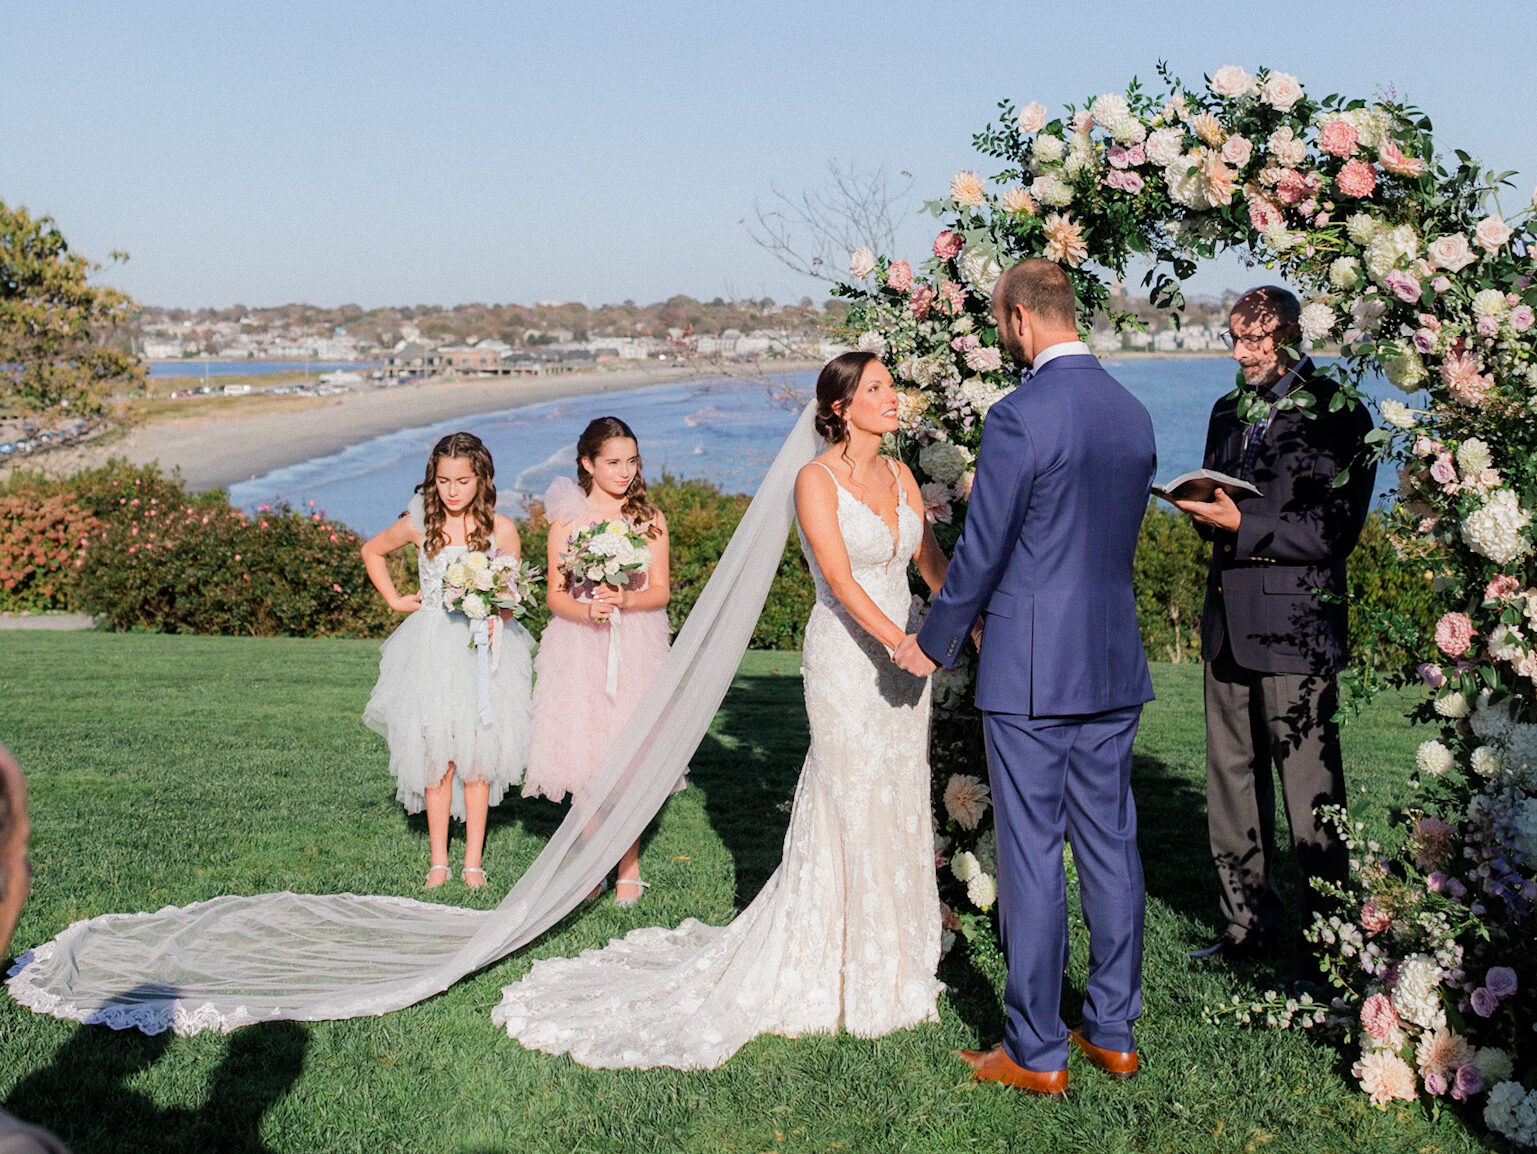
x=747, y=768
x=85, y=1097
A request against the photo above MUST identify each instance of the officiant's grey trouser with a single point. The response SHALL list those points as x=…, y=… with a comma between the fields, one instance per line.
x=1253, y=721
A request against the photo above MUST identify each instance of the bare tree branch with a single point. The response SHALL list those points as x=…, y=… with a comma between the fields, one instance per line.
x=814, y=233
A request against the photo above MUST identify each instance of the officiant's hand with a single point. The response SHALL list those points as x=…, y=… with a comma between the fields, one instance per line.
x=912, y=658
x=1220, y=512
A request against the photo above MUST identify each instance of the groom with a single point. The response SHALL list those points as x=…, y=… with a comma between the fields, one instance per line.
x=1045, y=560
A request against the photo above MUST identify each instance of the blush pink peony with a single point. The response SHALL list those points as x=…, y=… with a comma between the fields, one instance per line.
x=1492, y=233
x=899, y=276
x=1454, y=634
x=1338, y=138
x=948, y=245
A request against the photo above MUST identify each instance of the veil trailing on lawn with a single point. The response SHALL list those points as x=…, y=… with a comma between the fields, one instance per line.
x=231, y=961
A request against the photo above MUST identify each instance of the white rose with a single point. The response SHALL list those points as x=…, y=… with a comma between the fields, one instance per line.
x=474, y=606
x=1451, y=253
x=1165, y=146
x=1317, y=321
x=1281, y=90
x=1345, y=273
x=980, y=269
x=1032, y=118
x=1288, y=151
x=1231, y=82
x=871, y=342
x=1048, y=149
x=1397, y=414
x=595, y=573
x=862, y=263
x=484, y=579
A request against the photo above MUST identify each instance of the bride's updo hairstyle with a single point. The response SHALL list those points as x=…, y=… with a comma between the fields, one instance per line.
x=836, y=386
x=637, y=506
x=480, y=517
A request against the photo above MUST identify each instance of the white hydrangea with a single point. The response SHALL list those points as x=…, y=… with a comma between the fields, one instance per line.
x=1473, y=456
x=980, y=395
x=1494, y=1064
x=1050, y=189
x=1434, y=758
x=1397, y=359
x=1165, y=145
x=944, y=461
x=1389, y=248
x=982, y=890
x=1048, y=149
x=964, y=866
x=1371, y=124
x=1396, y=413
x=1453, y=704
x=1495, y=528
x=1317, y=321
x=1362, y=226
x=980, y=269
x=871, y=342
x=1511, y=1110
x=1345, y=273
x=1417, y=996
x=1486, y=761
x=1489, y=303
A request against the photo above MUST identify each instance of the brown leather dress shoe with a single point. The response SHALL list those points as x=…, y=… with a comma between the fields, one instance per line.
x=1117, y=1064
x=995, y=1065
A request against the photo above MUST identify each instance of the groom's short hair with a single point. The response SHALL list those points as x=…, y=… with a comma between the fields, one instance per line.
x=1043, y=289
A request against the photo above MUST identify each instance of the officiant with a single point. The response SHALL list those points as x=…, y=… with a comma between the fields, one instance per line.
x=1274, y=630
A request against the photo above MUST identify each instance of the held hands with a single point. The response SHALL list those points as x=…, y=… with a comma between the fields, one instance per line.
x=913, y=659
x=605, y=599
x=1220, y=512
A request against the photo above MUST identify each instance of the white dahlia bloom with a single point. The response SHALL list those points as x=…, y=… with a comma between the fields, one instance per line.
x=1345, y=273
x=1489, y=303
x=1495, y=528
x=1397, y=414
x=1109, y=110
x=1165, y=146
x=1433, y=758
x=1048, y=149
x=982, y=890
x=944, y=461
x=1051, y=190
x=1317, y=321
x=1473, y=456
x=1453, y=705
x=963, y=866
x=1362, y=226
x=1417, y=996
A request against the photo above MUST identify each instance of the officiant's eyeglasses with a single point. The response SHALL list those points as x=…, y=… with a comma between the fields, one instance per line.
x=1253, y=340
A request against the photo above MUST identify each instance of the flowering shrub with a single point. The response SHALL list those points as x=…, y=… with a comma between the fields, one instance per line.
x=42, y=547
x=1408, y=263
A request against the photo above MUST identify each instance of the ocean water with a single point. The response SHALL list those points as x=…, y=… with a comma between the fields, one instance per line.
x=722, y=430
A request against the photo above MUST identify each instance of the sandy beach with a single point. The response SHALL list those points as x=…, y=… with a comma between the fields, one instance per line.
x=217, y=442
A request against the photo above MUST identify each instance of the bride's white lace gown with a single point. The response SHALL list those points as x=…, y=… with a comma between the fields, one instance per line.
x=845, y=934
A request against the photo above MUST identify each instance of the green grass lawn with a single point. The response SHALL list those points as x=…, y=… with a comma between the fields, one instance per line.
x=173, y=769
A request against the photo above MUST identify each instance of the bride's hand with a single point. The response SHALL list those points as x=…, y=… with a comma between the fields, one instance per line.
x=408, y=604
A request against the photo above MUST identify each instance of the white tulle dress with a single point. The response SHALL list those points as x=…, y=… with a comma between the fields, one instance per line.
x=845, y=934
x=426, y=701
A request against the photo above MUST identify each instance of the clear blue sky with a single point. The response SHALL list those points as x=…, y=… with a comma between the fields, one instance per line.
x=389, y=153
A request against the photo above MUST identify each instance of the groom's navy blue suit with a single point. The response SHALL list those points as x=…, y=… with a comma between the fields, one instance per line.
x=1045, y=558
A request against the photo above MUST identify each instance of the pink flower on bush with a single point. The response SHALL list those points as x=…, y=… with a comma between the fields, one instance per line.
x=965, y=342
x=1338, y=138
x=1405, y=287
x=1374, y=919
x=899, y=276
x=1379, y=1019
x=1521, y=318
x=1502, y=587
x=1396, y=161
x=1454, y=632
x=1356, y=179
x=1488, y=326
x=948, y=245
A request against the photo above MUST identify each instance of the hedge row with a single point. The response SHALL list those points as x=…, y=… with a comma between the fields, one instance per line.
x=133, y=547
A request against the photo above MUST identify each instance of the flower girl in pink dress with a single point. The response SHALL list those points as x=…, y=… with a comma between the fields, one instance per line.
x=604, y=643
x=456, y=745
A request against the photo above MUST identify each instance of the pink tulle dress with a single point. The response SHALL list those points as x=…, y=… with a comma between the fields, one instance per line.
x=575, y=721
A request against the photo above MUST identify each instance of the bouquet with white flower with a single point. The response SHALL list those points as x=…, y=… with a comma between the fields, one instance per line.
x=605, y=553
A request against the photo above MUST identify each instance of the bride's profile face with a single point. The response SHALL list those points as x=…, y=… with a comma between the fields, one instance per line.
x=873, y=407
x=615, y=466
x=456, y=482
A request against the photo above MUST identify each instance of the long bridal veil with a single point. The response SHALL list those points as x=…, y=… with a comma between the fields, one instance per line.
x=232, y=961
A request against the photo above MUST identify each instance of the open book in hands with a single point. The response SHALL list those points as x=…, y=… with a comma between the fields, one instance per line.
x=1202, y=485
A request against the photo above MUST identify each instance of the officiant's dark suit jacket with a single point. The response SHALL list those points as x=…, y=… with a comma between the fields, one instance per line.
x=1062, y=484
x=1264, y=584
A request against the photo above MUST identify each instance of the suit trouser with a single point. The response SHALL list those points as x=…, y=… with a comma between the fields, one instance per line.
x=1253, y=721
x=1054, y=778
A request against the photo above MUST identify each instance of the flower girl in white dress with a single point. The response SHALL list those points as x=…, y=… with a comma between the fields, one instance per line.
x=449, y=754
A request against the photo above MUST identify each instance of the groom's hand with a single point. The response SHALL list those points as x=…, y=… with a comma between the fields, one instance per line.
x=912, y=658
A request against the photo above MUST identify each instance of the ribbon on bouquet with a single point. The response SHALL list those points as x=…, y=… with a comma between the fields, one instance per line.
x=611, y=682
x=480, y=637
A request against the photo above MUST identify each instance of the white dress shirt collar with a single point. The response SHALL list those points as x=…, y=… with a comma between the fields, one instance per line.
x=1060, y=349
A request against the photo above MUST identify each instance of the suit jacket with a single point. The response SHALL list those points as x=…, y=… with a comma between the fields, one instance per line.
x=1062, y=484
x=1263, y=587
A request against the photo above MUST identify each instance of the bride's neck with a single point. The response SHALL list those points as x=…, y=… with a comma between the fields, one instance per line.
x=861, y=448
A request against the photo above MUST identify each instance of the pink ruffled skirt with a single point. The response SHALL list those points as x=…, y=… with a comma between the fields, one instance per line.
x=574, y=721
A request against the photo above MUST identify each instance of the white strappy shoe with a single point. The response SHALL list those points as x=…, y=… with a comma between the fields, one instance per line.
x=640, y=885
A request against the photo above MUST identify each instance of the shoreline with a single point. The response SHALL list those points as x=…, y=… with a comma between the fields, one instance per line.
x=217, y=449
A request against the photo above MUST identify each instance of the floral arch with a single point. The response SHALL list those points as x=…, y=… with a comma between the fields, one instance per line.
x=1406, y=262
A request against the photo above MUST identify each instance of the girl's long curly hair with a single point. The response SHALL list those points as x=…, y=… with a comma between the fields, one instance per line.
x=637, y=506
x=480, y=516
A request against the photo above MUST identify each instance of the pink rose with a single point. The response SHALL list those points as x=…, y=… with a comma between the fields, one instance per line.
x=1356, y=179
x=1281, y=90
x=1117, y=156
x=1442, y=471
x=948, y=245
x=899, y=276
x=1032, y=118
x=1431, y=321
x=1451, y=253
x=1469, y=1082
x=1432, y=675
x=1125, y=181
x=1502, y=587
x=966, y=342
x=1083, y=122
x=1237, y=150
x=1454, y=632
x=1424, y=340
x=1501, y=981
x=1337, y=138
x=1441, y=284
x=1136, y=155
x=1435, y=1083
x=1405, y=287
x=1521, y=318
x=1491, y=234
x=1378, y=1018
x=1488, y=326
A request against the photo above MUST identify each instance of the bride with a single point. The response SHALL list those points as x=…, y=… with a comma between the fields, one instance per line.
x=845, y=935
